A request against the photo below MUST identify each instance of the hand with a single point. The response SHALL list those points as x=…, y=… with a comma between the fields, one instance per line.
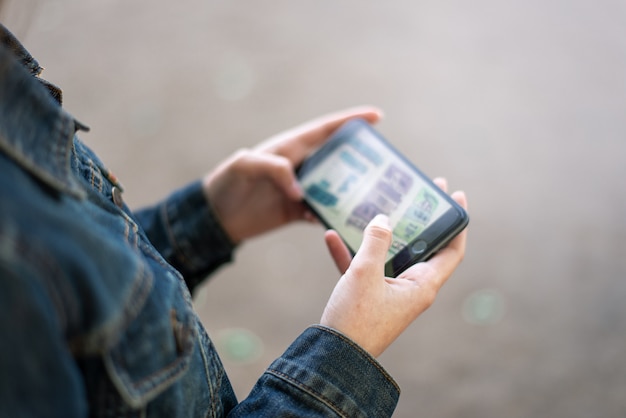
x=373, y=310
x=255, y=190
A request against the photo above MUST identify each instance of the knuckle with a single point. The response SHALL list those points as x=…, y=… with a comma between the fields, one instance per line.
x=428, y=287
x=430, y=294
x=379, y=232
x=359, y=269
x=283, y=164
x=241, y=156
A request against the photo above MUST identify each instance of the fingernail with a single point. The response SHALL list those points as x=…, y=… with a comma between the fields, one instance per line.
x=382, y=221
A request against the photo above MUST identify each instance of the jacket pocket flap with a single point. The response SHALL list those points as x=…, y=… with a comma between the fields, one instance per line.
x=153, y=351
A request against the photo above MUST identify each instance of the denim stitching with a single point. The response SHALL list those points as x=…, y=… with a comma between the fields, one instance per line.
x=163, y=377
x=107, y=336
x=361, y=351
x=171, y=235
x=150, y=251
x=308, y=390
x=135, y=393
x=202, y=339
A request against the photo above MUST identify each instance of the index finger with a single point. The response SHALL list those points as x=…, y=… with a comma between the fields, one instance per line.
x=298, y=142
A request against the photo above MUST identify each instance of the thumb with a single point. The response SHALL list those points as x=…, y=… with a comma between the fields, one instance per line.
x=376, y=241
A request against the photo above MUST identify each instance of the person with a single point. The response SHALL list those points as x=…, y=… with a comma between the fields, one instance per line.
x=95, y=300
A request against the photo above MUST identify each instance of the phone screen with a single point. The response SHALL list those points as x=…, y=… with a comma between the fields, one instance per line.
x=356, y=176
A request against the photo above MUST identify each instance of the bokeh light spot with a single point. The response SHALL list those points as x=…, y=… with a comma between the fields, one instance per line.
x=239, y=345
x=484, y=307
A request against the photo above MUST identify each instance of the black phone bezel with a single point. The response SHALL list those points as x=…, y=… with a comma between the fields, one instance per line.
x=436, y=236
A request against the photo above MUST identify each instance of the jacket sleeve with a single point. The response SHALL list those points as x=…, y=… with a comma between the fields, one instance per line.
x=38, y=374
x=322, y=374
x=185, y=230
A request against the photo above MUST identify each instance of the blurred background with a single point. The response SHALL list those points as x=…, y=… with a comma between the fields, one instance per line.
x=520, y=103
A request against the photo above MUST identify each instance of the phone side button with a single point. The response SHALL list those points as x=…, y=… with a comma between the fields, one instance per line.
x=419, y=247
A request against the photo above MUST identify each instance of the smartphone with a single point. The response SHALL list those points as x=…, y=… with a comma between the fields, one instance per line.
x=357, y=174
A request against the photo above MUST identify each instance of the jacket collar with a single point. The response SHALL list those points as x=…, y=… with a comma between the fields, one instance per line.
x=34, y=130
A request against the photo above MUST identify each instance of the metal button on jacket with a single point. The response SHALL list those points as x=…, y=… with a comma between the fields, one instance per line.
x=117, y=197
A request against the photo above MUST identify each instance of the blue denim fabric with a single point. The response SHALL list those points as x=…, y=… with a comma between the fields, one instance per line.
x=95, y=308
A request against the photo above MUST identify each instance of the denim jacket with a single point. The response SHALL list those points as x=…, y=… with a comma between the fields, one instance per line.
x=95, y=306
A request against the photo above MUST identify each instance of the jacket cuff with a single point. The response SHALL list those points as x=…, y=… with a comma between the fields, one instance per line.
x=198, y=241
x=338, y=373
